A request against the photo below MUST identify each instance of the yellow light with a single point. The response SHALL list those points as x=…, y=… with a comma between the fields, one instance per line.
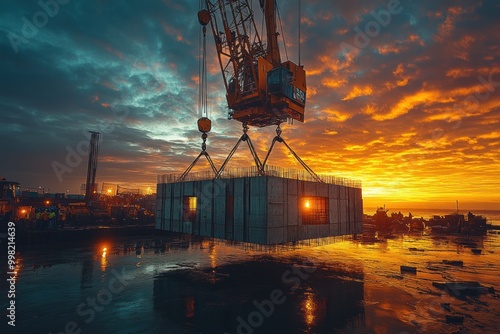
x=104, y=260
x=109, y=191
x=47, y=202
x=307, y=205
x=23, y=211
x=192, y=203
x=309, y=308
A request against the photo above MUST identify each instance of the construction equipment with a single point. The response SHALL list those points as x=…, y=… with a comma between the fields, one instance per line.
x=260, y=89
x=90, y=186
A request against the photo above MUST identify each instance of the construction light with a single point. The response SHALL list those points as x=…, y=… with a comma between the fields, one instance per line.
x=307, y=204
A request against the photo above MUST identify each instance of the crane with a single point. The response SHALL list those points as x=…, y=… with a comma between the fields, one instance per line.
x=260, y=89
x=90, y=186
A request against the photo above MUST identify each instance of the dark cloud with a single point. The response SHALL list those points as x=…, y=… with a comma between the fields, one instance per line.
x=409, y=111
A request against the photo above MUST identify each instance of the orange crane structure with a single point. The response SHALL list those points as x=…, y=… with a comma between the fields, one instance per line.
x=261, y=90
x=268, y=204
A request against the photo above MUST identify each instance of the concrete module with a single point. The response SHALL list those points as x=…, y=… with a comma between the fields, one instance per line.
x=259, y=209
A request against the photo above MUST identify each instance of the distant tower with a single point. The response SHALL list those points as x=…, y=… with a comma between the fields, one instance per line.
x=90, y=186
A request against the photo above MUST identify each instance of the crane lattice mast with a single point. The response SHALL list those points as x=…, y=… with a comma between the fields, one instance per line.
x=260, y=89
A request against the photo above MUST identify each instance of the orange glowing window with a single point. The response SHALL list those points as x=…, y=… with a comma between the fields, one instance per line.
x=314, y=210
x=189, y=206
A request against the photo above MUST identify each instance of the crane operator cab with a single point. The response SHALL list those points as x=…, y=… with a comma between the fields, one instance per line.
x=287, y=89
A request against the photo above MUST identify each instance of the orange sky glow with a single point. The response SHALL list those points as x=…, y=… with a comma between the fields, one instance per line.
x=410, y=109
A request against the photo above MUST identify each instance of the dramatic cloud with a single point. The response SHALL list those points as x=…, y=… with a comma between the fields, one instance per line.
x=402, y=95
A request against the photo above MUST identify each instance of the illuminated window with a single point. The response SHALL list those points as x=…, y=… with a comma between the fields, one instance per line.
x=189, y=206
x=314, y=210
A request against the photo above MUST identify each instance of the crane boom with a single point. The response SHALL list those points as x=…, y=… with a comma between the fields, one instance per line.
x=260, y=89
x=273, y=52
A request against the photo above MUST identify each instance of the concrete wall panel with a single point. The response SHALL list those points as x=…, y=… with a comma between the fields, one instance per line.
x=310, y=188
x=219, y=231
x=239, y=185
x=342, y=192
x=176, y=225
x=275, y=189
x=275, y=215
x=238, y=233
x=177, y=189
x=292, y=187
x=292, y=211
x=292, y=233
x=322, y=189
x=275, y=235
x=188, y=188
x=266, y=209
x=257, y=235
x=239, y=211
x=343, y=228
x=344, y=208
x=219, y=187
x=334, y=229
x=219, y=210
x=323, y=230
x=258, y=186
x=257, y=205
x=257, y=221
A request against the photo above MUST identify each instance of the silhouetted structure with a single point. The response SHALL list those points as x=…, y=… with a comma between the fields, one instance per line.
x=90, y=186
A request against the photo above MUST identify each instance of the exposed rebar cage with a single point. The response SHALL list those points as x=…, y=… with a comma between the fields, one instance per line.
x=270, y=170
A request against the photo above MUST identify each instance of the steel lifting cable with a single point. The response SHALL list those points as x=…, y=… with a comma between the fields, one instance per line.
x=200, y=104
x=246, y=138
x=204, y=87
x=202, y=101
x=306, y=167
x=299, y=23
x=278, y=138
x=254, y=153
x=282, y=31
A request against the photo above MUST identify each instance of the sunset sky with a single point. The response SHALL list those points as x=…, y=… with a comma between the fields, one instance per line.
x=411, y=107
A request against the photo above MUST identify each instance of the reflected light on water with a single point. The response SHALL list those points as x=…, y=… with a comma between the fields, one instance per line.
x=189, y=306
x=213, y=256
x=309, y=309
x=104, y=260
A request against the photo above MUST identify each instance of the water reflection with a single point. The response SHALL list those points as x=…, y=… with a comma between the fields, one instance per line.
x=87, y=271
x=104, y=259
x=267, y=293
x=309, y=309
x=185, y=286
